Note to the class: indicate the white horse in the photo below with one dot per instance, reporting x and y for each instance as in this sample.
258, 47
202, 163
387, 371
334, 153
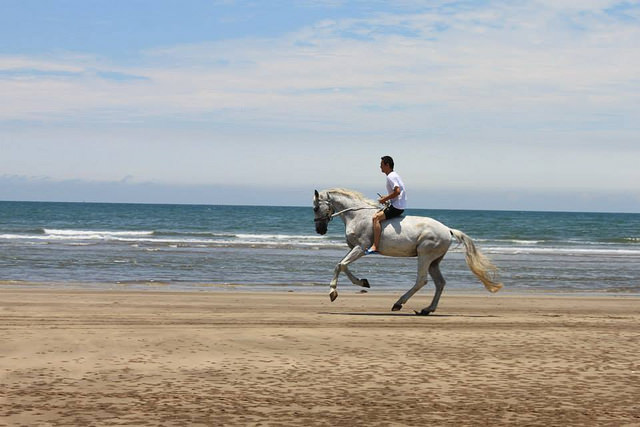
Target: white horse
404, 236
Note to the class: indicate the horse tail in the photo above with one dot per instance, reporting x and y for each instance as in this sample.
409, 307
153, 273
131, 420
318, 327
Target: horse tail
478, 263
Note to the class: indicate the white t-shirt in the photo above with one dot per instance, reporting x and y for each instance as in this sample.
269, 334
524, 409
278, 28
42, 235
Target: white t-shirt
393, 181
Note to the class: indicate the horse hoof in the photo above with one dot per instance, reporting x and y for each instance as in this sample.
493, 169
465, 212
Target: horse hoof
365, 283
424, 312
333, 295
396, 307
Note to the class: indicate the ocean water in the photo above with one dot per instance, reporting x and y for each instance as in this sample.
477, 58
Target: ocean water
205, 248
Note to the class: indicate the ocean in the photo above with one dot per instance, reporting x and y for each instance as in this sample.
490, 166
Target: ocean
212, 248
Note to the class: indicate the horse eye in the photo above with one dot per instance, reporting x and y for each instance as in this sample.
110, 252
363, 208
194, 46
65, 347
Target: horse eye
316, 209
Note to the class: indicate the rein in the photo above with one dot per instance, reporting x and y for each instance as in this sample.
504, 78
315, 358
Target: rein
350, 209
333, 215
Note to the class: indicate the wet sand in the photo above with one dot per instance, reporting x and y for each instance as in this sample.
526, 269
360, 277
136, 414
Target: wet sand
174, 359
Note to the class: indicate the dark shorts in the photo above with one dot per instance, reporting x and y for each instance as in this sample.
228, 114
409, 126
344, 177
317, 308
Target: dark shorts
391, 212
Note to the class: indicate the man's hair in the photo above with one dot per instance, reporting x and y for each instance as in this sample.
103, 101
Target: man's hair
387, 160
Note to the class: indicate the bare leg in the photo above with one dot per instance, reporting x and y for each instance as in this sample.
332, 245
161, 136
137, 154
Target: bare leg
377, 229
355, 253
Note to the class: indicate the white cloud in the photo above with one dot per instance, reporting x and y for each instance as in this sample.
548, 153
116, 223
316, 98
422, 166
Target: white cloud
492, 60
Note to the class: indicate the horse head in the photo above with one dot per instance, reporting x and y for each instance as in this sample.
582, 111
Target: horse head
322, 210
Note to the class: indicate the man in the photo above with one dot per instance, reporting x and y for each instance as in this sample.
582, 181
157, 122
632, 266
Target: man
398, 197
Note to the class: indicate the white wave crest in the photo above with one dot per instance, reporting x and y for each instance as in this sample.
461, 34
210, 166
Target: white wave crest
514, 250
92, 233
79, 237
279, 237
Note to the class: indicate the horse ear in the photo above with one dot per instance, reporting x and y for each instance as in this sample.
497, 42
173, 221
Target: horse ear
317, 196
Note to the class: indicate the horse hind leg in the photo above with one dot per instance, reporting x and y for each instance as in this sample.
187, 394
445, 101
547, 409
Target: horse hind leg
438, 280
421, 280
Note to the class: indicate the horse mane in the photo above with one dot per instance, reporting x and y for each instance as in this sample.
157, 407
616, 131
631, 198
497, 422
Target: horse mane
352, 194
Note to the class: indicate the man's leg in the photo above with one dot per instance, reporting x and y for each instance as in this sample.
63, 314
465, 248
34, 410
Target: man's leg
377, 230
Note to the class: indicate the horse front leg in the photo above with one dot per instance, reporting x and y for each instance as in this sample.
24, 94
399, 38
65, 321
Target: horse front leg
354, 279
354, 254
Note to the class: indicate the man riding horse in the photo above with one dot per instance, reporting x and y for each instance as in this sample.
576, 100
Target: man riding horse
396, 199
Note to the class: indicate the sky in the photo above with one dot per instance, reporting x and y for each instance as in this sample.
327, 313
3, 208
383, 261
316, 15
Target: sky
516, 105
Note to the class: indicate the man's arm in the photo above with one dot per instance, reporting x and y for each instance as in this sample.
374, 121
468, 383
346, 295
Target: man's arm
395, 193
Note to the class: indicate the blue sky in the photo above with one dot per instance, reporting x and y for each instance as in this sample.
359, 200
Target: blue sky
483, 104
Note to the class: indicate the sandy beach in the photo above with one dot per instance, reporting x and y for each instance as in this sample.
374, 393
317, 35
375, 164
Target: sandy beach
229, 358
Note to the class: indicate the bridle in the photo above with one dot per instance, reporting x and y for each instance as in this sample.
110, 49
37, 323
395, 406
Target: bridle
329, 216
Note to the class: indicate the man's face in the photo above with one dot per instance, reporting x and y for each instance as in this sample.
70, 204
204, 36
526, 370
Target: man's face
385, 168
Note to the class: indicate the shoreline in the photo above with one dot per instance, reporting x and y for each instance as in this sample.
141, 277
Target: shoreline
85, 357
310, 289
